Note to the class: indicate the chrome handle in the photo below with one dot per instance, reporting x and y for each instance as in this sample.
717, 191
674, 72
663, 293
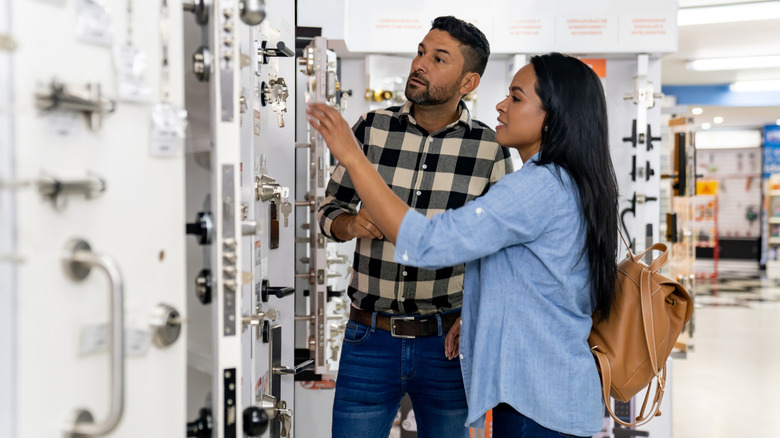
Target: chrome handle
78, 261
296, 370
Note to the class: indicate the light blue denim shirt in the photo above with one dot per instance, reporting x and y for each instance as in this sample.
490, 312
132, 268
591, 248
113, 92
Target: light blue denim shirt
527, 309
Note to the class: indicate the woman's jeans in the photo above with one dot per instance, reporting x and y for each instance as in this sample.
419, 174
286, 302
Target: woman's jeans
508, 423
377, 369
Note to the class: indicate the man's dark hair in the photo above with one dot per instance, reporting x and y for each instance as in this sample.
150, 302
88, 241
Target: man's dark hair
474, 46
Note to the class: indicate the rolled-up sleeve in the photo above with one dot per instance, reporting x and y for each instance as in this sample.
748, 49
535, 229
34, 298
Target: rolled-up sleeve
514, 211
340, 195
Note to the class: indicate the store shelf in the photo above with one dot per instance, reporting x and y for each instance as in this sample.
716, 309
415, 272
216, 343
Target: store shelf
775, 240
774, 193
774, 220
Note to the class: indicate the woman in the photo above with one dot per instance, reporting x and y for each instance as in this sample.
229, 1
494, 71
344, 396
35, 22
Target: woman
540, 250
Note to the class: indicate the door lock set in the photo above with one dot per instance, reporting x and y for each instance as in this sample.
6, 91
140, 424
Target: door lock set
258, 320
267, 189
275, 92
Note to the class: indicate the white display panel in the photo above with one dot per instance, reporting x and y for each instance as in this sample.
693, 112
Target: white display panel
61, 354
606, 26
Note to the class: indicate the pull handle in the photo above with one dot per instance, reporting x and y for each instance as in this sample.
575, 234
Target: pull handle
297, 369
78, 262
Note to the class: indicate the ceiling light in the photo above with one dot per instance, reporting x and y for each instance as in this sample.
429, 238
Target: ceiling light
771, 85
777, 122
706, 125
696, 111
717, 120
769, 10
715, 64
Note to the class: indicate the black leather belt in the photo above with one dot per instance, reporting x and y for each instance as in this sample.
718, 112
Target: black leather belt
405, 326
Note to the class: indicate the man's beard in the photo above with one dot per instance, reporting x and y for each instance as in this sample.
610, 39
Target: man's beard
429, 96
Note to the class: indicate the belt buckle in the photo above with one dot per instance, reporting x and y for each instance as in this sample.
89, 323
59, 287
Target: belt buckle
393, 319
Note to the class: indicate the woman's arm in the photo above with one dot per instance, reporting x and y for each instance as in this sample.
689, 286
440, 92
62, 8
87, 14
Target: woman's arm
386, 208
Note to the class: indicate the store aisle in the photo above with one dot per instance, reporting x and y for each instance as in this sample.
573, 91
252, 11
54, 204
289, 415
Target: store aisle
729, 386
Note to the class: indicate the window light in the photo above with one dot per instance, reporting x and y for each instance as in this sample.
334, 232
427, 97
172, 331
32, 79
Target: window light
768, 10
715, 64
770, 85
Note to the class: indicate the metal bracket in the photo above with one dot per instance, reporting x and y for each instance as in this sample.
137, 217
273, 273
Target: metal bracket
57, 190
58, 96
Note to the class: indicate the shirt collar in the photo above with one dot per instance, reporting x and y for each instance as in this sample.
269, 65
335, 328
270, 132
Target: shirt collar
464, 116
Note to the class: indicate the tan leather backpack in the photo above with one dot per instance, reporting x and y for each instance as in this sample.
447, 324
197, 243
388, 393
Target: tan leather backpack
631, 347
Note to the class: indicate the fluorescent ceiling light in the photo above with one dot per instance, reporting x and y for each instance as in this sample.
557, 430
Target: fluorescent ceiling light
717, 120
777, 122
769, 10
740, 63
706, 125
696, 111
771, 85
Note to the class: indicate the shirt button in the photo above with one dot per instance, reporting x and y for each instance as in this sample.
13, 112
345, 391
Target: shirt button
461, 357
401, 299
424, 166
419, 193
403, 273
405, 257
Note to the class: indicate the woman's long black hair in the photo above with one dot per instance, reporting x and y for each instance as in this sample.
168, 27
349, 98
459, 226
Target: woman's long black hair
575, 137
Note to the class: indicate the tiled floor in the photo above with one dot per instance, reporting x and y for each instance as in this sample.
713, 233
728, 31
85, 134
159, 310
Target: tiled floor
729, 385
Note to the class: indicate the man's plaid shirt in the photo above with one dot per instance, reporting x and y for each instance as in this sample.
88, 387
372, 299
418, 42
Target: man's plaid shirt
432, 173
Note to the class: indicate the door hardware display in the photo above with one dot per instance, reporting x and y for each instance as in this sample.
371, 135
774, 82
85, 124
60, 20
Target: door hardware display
303, 366
641, 172
252, 12
255, 421
258, 319
266, 188
635, 199
78, 262
202, 63
203, 227
281, 420
56, 190
200, 8
317, 63
57, 96
276, 93
166, 322
229, 404
202, 426
281, 50
277, 291
250, 228
203, 286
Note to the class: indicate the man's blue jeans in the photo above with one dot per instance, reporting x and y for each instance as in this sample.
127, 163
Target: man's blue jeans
375, 372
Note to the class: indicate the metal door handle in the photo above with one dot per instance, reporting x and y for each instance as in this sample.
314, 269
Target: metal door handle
78, 261
298, 368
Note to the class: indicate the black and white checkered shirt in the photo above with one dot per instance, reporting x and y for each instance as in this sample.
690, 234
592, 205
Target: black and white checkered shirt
432, 173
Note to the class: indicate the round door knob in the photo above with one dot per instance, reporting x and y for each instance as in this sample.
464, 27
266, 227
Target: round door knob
255, 421
202, 426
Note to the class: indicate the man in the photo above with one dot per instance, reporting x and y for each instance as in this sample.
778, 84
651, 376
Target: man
433, 155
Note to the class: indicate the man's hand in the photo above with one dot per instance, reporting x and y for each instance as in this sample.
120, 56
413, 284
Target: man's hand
348, 226
452, 341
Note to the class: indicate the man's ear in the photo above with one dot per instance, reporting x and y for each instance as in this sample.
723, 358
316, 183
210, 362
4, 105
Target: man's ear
469, 83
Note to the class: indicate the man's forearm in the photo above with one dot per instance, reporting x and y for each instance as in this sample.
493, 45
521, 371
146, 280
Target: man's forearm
340, 227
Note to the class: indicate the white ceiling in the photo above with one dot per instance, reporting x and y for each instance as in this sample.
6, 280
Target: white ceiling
753, 38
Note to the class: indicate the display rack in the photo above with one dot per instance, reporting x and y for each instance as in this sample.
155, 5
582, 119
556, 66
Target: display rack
705, 229
773, 219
